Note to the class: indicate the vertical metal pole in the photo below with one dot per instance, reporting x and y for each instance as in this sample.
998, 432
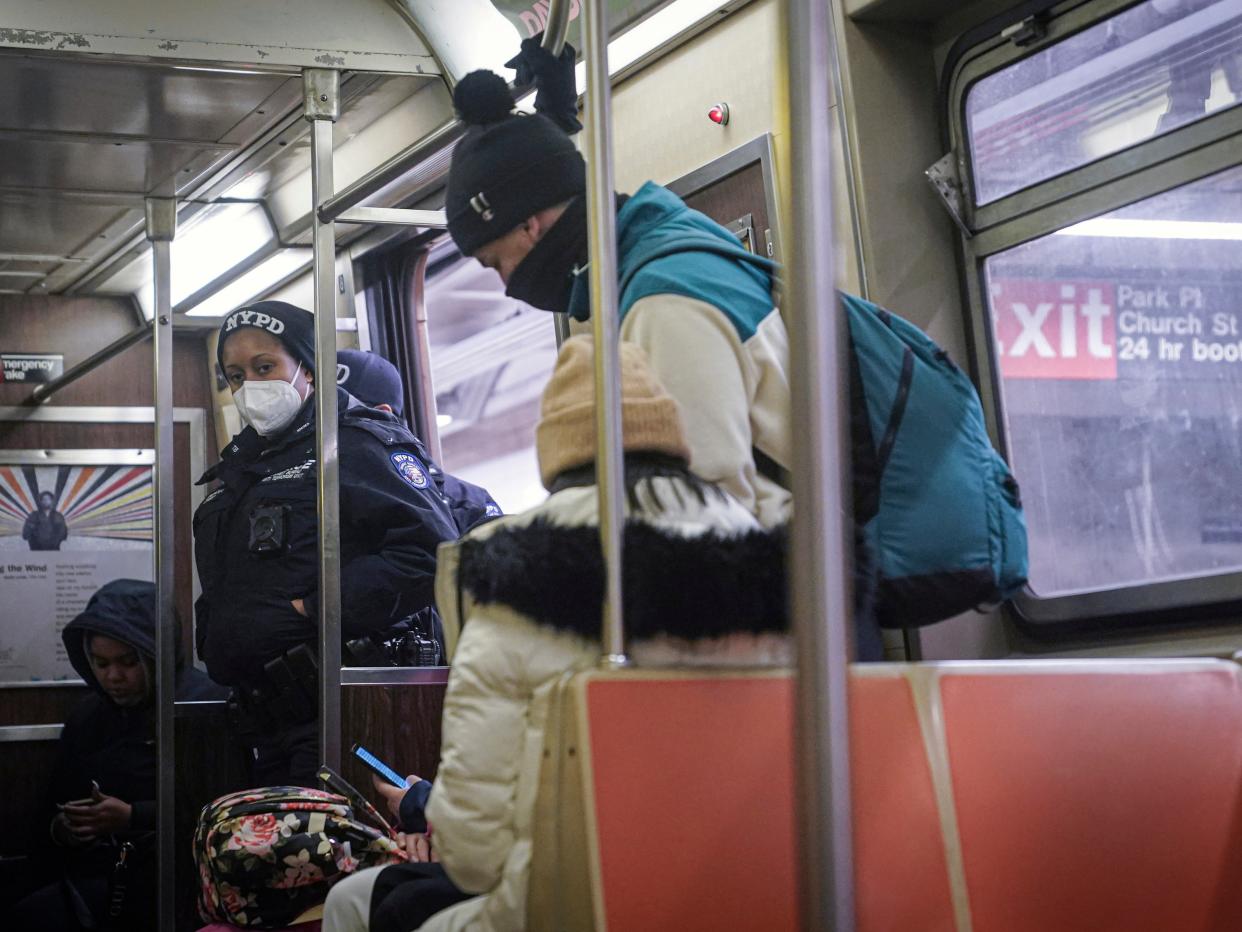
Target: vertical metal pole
426, 424
554, 41
321, 90
557, 25
161, 228
821, 548
560, 323
602, 237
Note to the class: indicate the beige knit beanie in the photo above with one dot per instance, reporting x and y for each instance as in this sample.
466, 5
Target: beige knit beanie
565, 437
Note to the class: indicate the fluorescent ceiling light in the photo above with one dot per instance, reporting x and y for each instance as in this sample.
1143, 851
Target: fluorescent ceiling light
225, 236
1123, 228
657, 29
218, 239
248, 286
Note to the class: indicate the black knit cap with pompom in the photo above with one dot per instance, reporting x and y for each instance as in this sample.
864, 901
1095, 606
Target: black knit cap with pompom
507, 167
482, 97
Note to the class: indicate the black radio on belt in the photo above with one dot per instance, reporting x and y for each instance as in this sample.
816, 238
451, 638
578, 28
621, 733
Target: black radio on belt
269, 528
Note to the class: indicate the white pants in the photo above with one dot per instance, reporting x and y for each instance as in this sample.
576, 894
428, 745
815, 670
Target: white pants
348, 908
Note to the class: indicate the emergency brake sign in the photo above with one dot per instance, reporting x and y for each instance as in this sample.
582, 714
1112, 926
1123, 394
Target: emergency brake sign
31, 367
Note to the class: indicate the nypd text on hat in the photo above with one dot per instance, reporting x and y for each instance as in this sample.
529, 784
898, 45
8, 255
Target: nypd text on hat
254, 319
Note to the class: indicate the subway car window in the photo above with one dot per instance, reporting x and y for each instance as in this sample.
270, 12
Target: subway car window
490, 356
1119, 344
1153, 68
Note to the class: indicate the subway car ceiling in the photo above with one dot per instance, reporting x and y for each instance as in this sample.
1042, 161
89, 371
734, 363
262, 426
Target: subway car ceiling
85, 138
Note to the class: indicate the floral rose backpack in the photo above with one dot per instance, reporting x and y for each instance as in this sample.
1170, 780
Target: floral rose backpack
266, 856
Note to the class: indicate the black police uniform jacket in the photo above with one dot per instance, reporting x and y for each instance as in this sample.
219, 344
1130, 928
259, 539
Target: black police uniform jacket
469, 504
255, 538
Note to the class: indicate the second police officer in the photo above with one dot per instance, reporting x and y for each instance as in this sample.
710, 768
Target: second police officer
256, 535
375, 382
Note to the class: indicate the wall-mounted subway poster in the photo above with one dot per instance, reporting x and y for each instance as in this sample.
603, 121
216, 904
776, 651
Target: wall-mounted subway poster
65, 530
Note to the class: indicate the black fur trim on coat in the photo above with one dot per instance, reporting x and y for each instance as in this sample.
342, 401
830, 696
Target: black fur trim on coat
695, 588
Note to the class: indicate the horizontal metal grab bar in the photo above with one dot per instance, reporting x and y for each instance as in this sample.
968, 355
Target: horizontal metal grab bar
394, 676
14, 733
432, 219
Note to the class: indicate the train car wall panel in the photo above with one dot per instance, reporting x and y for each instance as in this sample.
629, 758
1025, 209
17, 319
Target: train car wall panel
78, 327
662, 136
660, 126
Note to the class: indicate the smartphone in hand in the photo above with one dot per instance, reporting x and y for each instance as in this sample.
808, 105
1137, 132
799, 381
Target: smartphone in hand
378, 766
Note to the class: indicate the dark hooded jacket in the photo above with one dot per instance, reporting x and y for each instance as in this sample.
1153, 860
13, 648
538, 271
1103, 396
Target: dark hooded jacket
470, 504
115, 747
103, 742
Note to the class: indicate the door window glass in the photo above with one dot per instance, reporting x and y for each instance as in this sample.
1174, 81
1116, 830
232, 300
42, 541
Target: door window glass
1155, 67
491, 357
1119, 350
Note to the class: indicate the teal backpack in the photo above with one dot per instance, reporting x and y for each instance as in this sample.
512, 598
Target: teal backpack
938, 505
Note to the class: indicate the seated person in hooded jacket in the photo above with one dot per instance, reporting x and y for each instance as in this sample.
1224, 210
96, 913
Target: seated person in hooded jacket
704, 585
256, 535
103, 789
375, 381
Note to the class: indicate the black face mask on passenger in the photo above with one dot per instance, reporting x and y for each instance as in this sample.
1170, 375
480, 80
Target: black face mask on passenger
545, 278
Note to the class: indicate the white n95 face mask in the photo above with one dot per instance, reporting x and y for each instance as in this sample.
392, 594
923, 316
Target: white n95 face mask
269, 406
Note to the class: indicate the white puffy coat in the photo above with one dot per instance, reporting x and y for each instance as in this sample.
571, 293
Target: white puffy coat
524, 585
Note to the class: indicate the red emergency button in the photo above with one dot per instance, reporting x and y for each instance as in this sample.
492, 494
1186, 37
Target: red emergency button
719, 113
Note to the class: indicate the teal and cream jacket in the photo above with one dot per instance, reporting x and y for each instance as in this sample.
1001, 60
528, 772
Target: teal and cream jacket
700, 306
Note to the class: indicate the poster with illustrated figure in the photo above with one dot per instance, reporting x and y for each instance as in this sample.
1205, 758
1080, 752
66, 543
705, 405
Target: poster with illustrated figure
65, 530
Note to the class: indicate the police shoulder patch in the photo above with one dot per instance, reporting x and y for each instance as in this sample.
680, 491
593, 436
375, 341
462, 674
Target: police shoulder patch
410, 469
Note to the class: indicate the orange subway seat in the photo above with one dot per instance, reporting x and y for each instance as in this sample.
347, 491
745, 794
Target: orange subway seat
1098, 796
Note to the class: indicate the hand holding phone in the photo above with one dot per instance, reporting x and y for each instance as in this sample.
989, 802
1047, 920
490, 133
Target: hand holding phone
98, 815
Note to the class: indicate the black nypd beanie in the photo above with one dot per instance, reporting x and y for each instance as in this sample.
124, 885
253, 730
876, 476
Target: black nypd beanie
507, 167
294, 327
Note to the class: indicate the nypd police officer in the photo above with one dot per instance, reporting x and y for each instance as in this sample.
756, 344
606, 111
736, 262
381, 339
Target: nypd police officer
375, 382
256, 535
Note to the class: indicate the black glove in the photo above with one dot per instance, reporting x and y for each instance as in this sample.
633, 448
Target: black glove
556, 91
